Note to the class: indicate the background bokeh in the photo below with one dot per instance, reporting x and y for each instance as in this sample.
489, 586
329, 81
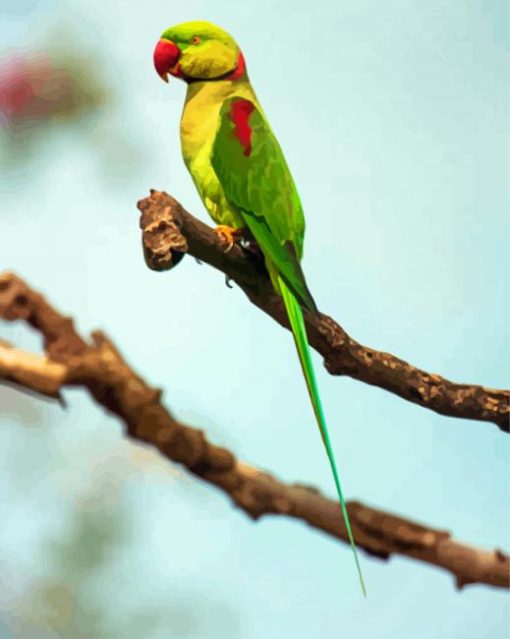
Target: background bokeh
394, 119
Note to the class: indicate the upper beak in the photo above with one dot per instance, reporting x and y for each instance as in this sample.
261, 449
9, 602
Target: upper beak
166, 56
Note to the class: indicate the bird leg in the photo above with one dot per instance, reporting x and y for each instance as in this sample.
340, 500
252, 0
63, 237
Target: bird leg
228, 235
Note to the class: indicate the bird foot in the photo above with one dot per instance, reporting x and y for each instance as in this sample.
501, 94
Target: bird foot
228, 235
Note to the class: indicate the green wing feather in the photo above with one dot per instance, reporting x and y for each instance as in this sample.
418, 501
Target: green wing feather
256, 180
260, 186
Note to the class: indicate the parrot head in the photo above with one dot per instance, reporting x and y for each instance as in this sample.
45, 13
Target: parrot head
198, 51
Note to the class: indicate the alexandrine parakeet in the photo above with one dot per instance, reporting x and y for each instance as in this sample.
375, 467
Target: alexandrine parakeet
242, 177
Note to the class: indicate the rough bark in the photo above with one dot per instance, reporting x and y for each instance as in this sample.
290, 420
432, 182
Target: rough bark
169, 231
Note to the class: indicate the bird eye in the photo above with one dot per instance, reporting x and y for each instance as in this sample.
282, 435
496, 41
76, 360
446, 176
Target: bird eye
195, 40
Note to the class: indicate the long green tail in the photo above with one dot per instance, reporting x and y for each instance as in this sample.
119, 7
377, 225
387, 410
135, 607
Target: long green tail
300, 338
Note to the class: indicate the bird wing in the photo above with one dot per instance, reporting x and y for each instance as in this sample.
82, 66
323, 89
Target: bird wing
255, 178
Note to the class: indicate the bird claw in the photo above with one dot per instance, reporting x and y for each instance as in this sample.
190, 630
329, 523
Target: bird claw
228, 235
227, 281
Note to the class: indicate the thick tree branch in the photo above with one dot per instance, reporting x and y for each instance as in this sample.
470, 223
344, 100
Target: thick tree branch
169, 231
99, 367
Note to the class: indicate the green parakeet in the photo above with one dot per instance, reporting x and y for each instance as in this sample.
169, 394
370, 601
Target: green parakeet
242, 177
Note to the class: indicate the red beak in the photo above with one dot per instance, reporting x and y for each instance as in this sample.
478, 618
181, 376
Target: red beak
166, 56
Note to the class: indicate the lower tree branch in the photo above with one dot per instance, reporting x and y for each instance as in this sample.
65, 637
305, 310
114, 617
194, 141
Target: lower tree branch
32, 372
169, 231
98, 366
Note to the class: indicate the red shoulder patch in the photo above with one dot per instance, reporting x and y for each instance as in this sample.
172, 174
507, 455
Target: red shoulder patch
240, 112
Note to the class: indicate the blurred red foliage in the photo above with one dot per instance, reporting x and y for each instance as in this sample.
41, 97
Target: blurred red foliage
59, 89
40, 86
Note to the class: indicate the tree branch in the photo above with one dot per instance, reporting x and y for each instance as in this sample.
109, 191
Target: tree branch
98, 366
169, 231
32, 372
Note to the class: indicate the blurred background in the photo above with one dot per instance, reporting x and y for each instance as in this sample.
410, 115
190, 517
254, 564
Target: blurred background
394, 119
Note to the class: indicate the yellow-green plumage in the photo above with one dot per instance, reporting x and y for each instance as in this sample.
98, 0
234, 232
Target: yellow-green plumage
199, 123
243, 179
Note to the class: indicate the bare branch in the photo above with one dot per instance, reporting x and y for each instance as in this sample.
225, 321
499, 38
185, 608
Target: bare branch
32, 372
169, 231
99, 367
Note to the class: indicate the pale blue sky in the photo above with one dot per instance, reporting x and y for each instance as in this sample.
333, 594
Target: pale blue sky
394, 119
